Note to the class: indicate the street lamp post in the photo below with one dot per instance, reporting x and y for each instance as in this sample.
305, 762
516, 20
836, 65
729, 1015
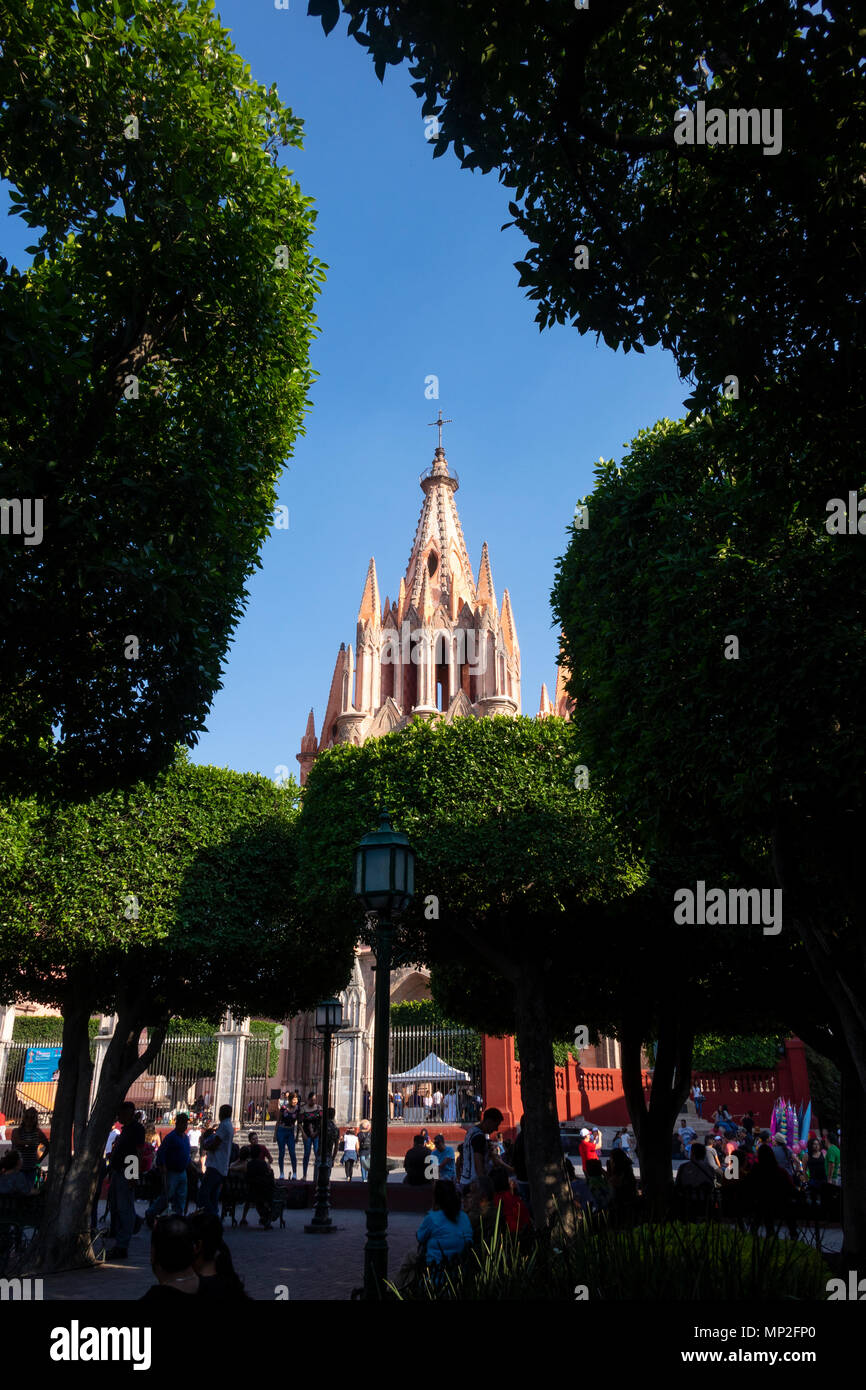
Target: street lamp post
329, 1019
384, 882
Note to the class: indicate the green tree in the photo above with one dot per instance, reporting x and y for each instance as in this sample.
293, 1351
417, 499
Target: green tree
715, 632
155, 361
513, 859
739, 262
171, 898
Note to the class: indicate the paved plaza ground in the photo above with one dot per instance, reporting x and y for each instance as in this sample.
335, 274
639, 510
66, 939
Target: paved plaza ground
310, 1267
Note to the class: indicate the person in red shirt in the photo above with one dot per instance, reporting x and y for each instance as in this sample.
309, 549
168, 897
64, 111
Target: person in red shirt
515, 1212
587, 1147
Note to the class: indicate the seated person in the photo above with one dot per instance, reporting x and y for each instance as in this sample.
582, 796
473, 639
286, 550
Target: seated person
415, 1163
479, 1208
696, 1172
12, 1179
446, 1231
621, 1179
600, 1194
513, 1209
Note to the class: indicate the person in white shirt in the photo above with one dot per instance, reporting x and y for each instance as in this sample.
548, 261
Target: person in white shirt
219, 1152
437, 1105
110, 1141
350, 1152
194, 1136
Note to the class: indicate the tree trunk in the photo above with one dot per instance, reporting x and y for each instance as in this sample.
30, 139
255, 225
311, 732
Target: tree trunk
654, 1123
853, 1148
63, 1240
552, 1202
834, 943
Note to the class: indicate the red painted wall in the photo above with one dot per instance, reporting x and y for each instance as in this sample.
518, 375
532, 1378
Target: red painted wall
596, 1094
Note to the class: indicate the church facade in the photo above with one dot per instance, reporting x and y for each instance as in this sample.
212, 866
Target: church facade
444, 648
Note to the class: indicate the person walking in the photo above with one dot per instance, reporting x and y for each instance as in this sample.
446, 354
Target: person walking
364, 1148
286, 1132
350, 1153
172, 1160
311, 1125
123, 1166
218, 1147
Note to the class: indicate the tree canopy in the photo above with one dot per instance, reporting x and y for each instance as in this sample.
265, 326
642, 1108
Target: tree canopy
171, 897
740, 262
513, 863
155, 361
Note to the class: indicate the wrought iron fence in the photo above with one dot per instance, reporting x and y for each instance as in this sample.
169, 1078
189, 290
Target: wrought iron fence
13, 1102
452, 1071
180, 1077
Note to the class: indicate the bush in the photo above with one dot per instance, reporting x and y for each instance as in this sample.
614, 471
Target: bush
656, 1261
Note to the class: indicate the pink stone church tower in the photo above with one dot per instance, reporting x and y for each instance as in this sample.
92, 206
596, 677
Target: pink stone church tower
444, 647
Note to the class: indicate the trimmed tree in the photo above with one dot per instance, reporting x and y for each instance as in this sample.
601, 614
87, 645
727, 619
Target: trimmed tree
513, 863
155, 360
174, 897
715, 630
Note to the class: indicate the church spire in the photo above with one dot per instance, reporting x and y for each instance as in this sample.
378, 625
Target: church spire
509, 631
371, 609
485, 596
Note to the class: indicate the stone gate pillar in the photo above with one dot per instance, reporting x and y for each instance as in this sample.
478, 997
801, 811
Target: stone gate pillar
349, 1052
107, 1024
231, 1066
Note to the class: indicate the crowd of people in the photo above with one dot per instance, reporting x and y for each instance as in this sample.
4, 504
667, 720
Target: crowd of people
478, 1186
427, 1100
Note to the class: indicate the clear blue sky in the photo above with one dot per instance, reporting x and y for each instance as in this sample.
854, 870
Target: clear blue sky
421, 282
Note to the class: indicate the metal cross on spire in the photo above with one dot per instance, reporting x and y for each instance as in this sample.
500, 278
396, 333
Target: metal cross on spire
440, 422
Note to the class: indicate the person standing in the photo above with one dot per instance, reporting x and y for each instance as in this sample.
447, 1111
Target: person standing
172, 1160
350, 1152
437, 1105
311, 1124
398, 1104
32, 1144
834, 1162
286, 1132
518, 1158
477, 1158
451, 1109
124, 1175
218, 1147
698, 1098
588, 1150
332, 1137
364, 1148
625, 1146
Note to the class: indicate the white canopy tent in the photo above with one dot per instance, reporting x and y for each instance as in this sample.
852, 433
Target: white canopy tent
432, 1068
